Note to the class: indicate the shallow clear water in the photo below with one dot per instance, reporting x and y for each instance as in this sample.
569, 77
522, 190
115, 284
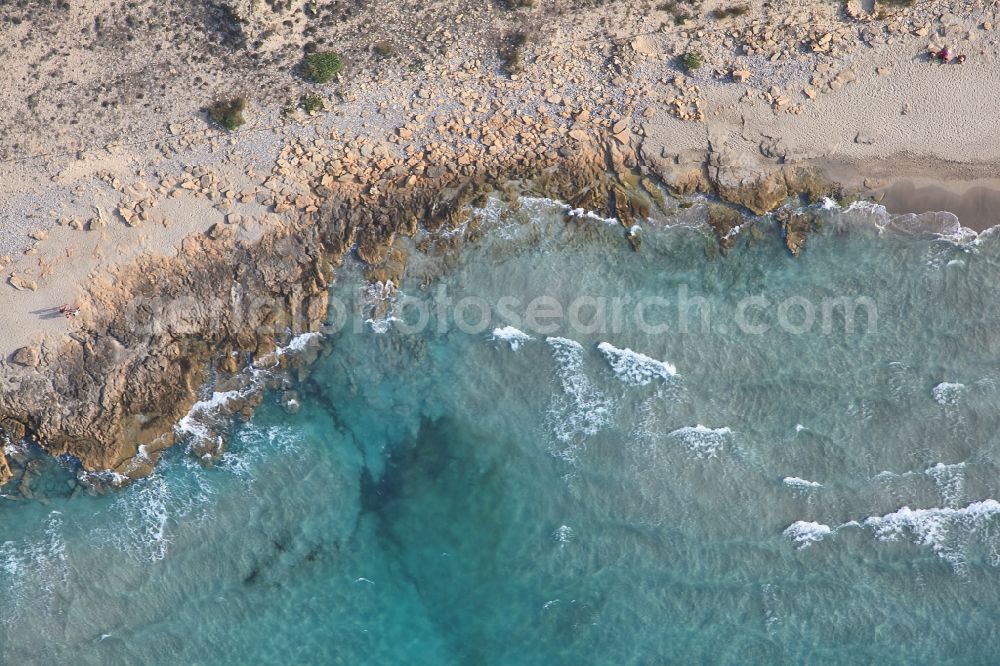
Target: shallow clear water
731, 492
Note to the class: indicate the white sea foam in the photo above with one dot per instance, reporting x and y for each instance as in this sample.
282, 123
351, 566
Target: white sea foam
802, 484
949, 480
515, 337
572, 212
492, 217
634, 368
195, 424
198, 424
139, 522
943, 529
806, 533
103, 477
34, 570
299, 343
799, 427
947, 393
563, 534
254, 445
582, 409
772, 607
589, 214
381, 296
704, 441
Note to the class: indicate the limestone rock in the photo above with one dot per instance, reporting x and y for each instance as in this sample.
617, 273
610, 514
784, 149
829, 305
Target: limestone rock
741, 179
5, 471
683, 172
22, 282
29, 356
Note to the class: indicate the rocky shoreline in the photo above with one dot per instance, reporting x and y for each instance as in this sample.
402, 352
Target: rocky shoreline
111, 394
197, 251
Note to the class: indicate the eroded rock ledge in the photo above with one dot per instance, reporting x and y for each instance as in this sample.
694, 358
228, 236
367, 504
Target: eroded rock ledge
111, 393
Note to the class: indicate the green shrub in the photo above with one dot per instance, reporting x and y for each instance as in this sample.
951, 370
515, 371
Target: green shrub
228, 112
512, 52
384, 49
681, 16
321, 66
735, 10
692, 60
311, 103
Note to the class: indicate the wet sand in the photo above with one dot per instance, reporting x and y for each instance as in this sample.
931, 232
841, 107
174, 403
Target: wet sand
976, 203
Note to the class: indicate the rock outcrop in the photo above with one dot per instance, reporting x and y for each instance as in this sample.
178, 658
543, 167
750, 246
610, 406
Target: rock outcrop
110, 394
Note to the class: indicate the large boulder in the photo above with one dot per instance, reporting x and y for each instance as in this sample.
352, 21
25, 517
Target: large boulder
682, 171
29, 356
5, 471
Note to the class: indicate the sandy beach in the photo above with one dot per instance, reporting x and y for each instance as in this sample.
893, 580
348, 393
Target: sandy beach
112, 173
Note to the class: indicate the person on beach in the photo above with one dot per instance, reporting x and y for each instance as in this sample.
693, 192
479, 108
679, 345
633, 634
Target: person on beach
944, 55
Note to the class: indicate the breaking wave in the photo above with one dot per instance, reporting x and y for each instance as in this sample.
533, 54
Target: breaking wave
801, 484
581, 409
806, 533
943, 529
701, 440
515, 337
633, 368
947, 393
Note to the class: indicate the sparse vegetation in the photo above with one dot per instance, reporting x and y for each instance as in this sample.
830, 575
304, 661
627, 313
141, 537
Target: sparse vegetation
681, 16
384, 49
311, 103
416, 66
516, 4
727, 12
321, 66
692, 60
512, 52
228, 113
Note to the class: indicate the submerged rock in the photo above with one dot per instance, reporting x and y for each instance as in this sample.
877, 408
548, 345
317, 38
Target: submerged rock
725, 221
795, 227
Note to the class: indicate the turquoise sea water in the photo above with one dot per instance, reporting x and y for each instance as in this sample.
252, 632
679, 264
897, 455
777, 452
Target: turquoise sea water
747, 475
